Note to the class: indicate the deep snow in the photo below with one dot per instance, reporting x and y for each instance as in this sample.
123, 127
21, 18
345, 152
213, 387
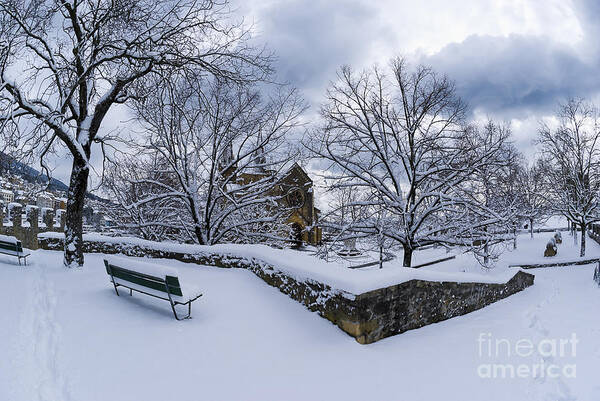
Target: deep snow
303, 265
65, 335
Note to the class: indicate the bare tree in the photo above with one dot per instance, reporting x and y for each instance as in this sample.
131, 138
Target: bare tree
400, 140
128, 184
65, 64
535, 195
223, 152
493, 185
346, 206
571, 157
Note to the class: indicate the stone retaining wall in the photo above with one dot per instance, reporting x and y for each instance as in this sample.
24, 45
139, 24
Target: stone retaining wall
416, 303
367, 317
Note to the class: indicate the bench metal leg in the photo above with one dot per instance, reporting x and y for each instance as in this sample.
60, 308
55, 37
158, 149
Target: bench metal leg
117, 291
112, 278
189, 314
189, 304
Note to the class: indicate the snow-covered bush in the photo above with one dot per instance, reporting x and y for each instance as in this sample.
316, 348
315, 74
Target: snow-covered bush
551, 249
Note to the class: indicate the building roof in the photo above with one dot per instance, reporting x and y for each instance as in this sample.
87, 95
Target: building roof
297, 168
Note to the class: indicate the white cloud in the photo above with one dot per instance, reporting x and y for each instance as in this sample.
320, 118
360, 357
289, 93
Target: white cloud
425, 26
313, 38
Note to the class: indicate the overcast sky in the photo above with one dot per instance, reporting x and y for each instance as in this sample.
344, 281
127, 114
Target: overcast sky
511, 59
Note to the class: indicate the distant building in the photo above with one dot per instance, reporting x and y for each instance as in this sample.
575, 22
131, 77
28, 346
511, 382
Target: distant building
299, 187
60, 203
7, 196
45, 199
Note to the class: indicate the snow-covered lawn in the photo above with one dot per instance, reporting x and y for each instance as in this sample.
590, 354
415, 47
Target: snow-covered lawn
333, 272
65, 335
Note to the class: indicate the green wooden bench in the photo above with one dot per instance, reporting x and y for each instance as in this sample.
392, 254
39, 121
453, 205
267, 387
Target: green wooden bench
13, 247
151, 280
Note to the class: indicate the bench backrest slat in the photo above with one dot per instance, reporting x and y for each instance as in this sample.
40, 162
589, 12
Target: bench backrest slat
11, 246
145, 280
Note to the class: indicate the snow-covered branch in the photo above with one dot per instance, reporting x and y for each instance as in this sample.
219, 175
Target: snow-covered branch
398, 142
219, 156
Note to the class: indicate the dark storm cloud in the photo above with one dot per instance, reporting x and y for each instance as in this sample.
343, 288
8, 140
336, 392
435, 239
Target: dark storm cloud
517, 72
520, 74
503, 75
312, 39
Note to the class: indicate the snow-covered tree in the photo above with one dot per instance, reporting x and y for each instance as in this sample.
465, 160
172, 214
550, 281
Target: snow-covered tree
398, 138
222, 150
345, 207
493, 185
65, 64
129, 182
571, 157
535, 205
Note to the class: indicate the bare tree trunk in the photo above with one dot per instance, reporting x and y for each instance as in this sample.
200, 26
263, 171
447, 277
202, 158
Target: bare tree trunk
582, 250
199, 236
486, 256
196, 220
74, 216
486, 250
574, 229
407, 256
531, 227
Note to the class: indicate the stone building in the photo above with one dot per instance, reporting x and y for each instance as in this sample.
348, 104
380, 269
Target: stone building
60, 203
295, 191
7, 196
304, 218
45, 199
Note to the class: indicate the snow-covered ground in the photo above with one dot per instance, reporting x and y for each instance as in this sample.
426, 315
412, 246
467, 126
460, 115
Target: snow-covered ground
65, 335
335, 273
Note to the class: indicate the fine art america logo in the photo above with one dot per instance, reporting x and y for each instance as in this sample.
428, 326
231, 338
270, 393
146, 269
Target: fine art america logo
524, 358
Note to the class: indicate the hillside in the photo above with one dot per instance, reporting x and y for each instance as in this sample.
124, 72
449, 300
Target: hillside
11, 166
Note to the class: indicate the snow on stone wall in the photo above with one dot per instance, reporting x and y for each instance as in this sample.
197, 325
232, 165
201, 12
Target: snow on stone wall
302, 265
25, 227
367, 316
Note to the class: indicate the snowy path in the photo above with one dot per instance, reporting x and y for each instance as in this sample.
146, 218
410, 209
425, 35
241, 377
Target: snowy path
37, 344
541, 387
50, 383
69, 336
